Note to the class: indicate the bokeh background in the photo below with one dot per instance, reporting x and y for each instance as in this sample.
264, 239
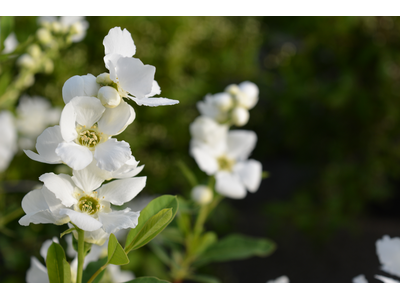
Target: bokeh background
327, 121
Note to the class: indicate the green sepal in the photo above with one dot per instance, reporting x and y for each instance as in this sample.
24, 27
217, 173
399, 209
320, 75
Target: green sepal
147, 279
67, 231
92, 268
152, 220
116, 254
234, 247
58, 269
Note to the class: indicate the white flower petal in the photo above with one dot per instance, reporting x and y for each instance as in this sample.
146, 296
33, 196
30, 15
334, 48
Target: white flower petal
117, 275
88, 110
360, 279
250, 173
120, 191
74, 86
67, 123
386, 279
75, 156
61, 186
91, 87
110, 61
121, 219
42, 207
229, 185
112, 154
154, 101
120, 42
37, 273
155, 90
206, 162
46, 145
87, 179
241, 143
116, 119
82, 220
135, 77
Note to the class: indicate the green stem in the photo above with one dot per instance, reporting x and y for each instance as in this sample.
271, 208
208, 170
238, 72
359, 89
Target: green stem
97, 273
81, 254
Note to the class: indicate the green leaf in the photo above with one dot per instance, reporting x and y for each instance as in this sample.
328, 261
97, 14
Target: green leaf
151, 210
147, 279
151, 229
58, 268
116, 254
234, 247
67, 231
92, 268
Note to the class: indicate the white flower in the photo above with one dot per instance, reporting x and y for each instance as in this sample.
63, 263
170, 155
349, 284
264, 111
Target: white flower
85, 131
8, 139
80, 200
228, 162
281, 279
202, 194
129, 76
208, 131
34, 114
388, 251
10, 43
216, 107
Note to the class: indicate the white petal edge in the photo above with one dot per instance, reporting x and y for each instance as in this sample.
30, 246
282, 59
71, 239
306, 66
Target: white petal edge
112, 154
75, 156
121, 219
83, 221
121, 191
250, 173
229, 185
61, 186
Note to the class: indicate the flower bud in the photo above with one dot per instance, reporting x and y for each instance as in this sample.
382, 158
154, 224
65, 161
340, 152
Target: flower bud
250, 90
104, 79
202, 194
223, 101
26, 61
232, 89
48, 66
240, 116
109, 96
44, 36
34, 51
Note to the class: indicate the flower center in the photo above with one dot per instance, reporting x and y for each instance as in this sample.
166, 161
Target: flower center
89, 205
225, 163
89, 137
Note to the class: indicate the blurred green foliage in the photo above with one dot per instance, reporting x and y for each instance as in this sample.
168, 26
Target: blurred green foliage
329, 107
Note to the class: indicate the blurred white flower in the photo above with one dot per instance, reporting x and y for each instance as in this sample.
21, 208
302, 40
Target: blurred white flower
34, 114
80, 199
227, 161
8, 139
129, 76
10, 43
388, 251
281, 279
202, 194
206, 130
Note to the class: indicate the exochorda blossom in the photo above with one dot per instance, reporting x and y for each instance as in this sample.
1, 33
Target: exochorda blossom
226, 157
128, 77
77, 25
84, 133
80, 199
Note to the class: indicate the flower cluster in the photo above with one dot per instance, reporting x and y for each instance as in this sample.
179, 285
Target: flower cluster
95, 111
224, 153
